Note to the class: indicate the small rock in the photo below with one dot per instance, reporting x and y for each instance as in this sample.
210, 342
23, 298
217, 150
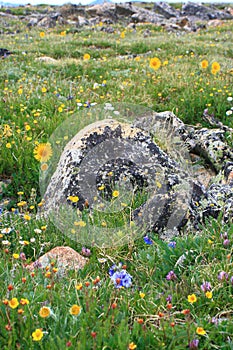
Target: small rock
46, 59
65, 258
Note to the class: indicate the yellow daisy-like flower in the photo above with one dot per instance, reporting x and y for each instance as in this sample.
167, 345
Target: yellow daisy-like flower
44, 312
209, 295
43, 152
75, 310
204, 64
86, 56
132, 346
200, 331
13, 303
42, 34
63, 33
37, 335
155, 63
122, 35
73, 199
8, 145
192, 298
16, 256
115, 194
27, 217
24, 301
142, 295
79, 286
215, 67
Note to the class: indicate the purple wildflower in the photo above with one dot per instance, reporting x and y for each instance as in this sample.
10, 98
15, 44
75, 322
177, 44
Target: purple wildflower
206, 286
231, 280
37, 264
172, 244
169, 298
122, 279
22, 256
226, 242
112, 270
223, 276
171, 276
147, 240
194, 344
214, 320
86, 251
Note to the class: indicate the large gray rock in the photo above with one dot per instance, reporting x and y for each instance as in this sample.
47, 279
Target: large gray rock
166, 10
134, 153
204, 12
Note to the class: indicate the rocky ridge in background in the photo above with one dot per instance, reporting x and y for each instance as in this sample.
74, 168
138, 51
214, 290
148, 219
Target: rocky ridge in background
108, 13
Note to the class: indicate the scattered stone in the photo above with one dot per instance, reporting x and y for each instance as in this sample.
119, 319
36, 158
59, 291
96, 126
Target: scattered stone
65, 258
47, 22
4, 184
166, 10
204, 12
109, 29
215, 23
5, 52
47, 59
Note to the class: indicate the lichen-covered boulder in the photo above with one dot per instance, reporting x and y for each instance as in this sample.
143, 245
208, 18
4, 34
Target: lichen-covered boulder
143, 171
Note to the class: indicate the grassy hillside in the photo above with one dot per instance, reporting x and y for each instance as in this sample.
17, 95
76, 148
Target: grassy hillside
180, 295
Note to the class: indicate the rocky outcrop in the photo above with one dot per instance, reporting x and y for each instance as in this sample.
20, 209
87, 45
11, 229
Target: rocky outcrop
204, 12
110, 13
166, 10
177, 196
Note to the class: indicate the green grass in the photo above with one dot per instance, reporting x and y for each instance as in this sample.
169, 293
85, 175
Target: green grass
30, 116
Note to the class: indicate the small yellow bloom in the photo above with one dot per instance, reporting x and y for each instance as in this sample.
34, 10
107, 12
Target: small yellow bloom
142, 295
86, 56
79, 286
43, 89
43, 152
37, 335
192, 298
155, 63
8, 145
73, 199
204, 64
63, 33
42, 34
100, 188
16, 256
115, 194
20, 91
44, 312
209, 295
24, 301
215, 67
200, 331
60, 109
13, 303
27, 127
75, 310
27, 217
122, 35
132, 346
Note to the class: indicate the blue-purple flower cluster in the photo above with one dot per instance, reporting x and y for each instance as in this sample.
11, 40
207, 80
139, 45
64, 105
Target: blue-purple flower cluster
120, 277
